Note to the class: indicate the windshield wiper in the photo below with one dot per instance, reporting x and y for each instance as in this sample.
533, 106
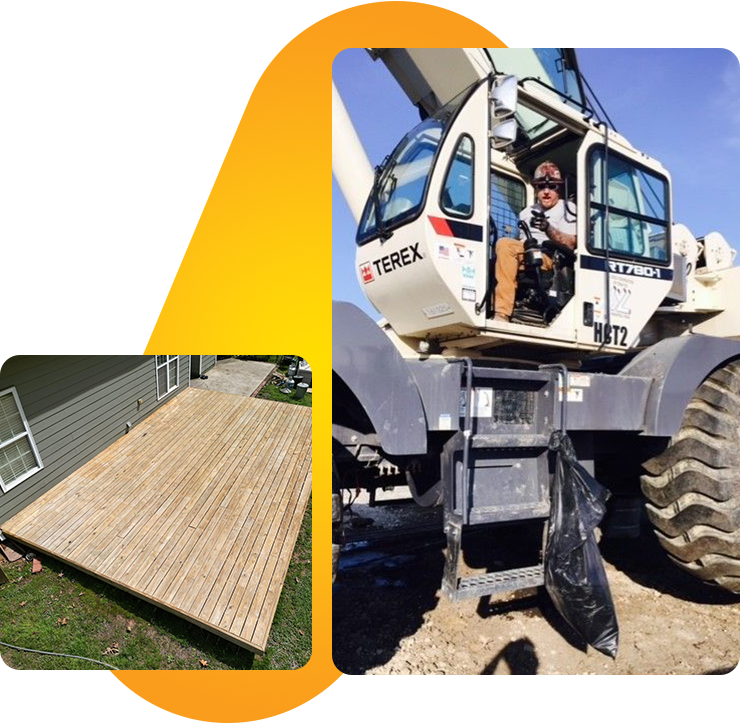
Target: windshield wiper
380, 170
393, 179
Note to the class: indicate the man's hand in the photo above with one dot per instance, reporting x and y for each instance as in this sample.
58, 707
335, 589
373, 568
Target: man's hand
539, 221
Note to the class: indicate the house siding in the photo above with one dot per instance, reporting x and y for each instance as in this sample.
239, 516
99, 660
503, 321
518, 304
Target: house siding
209, 360
76, 406
200, 364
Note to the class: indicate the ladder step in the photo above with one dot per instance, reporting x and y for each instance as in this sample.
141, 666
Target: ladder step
499, 582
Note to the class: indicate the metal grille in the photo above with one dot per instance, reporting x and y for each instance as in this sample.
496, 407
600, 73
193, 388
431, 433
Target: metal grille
508, 199
513, 407
499, 582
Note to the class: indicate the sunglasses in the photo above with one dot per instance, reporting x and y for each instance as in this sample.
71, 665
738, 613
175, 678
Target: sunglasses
552, 186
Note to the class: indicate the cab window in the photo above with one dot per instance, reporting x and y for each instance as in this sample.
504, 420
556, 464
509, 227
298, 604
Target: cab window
400, 188
457, 192
638, 208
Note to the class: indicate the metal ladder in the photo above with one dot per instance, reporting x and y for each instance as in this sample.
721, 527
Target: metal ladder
459, 587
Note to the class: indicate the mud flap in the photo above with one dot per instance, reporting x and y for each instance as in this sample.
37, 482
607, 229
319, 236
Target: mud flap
574, 572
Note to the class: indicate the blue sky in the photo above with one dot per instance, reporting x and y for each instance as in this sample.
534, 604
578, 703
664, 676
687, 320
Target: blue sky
680, 106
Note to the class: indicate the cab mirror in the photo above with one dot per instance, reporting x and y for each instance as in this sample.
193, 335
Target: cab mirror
504, 96
504, 134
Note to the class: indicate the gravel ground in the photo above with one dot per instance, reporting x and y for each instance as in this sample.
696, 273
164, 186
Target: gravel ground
390, 617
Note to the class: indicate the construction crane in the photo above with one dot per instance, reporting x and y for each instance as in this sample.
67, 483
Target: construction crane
628, 344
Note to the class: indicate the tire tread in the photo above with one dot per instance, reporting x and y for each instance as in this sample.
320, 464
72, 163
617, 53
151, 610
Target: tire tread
693, 487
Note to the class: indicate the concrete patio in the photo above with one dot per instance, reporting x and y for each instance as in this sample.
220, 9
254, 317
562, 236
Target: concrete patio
236, 376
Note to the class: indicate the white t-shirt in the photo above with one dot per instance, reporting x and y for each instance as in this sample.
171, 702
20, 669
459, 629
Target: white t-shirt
559, 217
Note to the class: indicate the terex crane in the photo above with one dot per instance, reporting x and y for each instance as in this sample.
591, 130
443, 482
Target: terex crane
629, 344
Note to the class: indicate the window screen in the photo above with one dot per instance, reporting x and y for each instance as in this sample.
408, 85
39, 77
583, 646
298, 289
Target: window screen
508, 199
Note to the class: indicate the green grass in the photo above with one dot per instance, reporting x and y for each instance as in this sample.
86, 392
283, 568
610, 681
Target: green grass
289, 644
273, 358
261, 357
271, 392
32, 608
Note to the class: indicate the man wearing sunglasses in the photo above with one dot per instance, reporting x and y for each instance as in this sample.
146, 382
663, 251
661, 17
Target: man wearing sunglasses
549, 218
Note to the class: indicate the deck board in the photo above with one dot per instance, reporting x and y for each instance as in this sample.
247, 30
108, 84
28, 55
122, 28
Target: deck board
196, 510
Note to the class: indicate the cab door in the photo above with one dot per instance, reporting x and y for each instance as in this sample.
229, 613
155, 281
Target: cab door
456, 227
625, 265
427, 270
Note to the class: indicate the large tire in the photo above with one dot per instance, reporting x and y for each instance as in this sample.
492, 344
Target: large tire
693, 487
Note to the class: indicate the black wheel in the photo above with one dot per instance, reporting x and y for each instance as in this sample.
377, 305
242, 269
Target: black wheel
693, 487
336, 522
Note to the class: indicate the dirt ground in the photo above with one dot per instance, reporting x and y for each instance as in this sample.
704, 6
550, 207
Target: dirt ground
391, 618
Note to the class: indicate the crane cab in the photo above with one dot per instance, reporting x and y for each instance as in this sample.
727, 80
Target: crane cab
459, 181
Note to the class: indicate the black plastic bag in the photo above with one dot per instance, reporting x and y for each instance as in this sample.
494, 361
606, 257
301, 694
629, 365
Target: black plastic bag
574, 572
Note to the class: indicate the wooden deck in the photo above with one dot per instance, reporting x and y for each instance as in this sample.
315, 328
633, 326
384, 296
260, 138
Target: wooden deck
196, 510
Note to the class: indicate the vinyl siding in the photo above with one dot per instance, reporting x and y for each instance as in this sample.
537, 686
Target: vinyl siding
200, 364
77, 406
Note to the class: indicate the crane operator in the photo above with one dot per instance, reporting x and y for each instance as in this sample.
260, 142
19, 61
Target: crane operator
550, 218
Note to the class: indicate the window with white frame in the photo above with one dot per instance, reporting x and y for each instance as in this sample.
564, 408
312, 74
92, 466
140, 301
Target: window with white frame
19, 458
168, 373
